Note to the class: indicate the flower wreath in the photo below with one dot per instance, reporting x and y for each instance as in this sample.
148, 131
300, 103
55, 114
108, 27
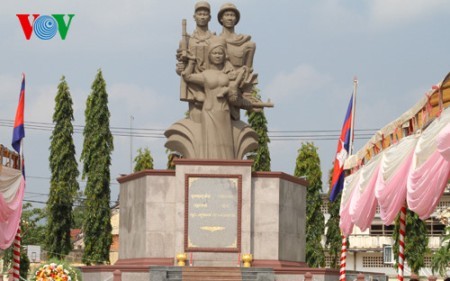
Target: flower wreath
55, 272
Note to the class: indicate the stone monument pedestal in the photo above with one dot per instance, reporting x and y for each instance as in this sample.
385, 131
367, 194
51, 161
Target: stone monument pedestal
214, 212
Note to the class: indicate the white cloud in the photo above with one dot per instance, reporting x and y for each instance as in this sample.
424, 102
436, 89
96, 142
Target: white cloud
303, 80
388, 13
335, 16
9, 93
40, 104
340, 16
119, 13
39, 101
133, 99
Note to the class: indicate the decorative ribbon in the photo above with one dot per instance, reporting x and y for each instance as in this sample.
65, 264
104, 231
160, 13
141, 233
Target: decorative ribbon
343, 259
401, 243
16, 256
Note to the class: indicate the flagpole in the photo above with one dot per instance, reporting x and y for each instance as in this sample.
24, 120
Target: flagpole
343, 259
17, 237
21, 140
352, 127
21, 156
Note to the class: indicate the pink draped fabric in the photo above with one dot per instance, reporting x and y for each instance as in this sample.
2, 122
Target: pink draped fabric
7, 208
345, 223
429, 171
363, 203
390, 188
8, 227
9, 190
416, 169
426, 185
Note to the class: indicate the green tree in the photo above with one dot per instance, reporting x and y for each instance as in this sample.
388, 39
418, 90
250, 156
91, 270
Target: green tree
78, 211
416, 241
64, 173
143, 160
258, 122
441, 259
170, 157
96, 157
308, 166
33, 225
333, 241
24, 264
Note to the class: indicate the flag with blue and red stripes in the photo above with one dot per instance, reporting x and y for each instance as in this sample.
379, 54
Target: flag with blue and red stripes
19, 125
342, 152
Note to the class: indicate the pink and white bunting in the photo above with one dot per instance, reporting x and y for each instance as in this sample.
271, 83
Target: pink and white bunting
12, 186
416, 169
390, 187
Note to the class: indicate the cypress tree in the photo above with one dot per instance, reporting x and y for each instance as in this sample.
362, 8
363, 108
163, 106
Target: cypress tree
308, 166
143, 160
258, 122
96, 157
64, 172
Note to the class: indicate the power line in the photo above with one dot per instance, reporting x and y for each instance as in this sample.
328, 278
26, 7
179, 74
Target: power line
74, 205
38, 194
47, 178
318, 131
276, 135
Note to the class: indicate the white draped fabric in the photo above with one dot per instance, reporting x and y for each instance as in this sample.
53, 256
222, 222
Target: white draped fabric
443, 143
12, 185
416, 170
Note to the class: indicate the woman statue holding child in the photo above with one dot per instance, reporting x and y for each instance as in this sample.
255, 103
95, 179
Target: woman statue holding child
217, 132
216, 136
220, 82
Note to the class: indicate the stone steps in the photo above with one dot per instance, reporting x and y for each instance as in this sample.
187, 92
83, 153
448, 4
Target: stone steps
214, 273
211, 274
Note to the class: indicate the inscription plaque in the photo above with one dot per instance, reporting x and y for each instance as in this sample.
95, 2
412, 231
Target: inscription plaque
213, 213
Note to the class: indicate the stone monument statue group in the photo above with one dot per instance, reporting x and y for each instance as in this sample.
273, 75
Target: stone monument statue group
217, 80
211, 210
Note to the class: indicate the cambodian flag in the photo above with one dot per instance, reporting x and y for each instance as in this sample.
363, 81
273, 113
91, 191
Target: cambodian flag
342, 152
19, 126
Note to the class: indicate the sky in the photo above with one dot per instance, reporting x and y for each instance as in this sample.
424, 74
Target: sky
307, 55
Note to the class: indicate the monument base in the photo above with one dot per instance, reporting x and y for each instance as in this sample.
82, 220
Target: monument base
213, 211
177, 273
